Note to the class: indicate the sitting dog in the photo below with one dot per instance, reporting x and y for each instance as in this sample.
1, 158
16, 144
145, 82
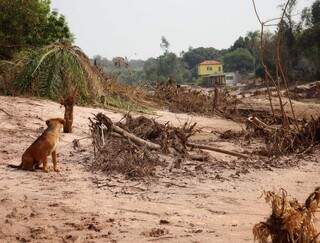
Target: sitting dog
44, 146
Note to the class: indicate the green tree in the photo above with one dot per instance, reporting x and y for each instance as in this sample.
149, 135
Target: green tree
150, 69
164, 44
239, 43
29, 23
194, 56
238, 60
315, 13
166, 66
308, 44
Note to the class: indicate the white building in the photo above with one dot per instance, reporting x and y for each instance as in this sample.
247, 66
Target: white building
232, 78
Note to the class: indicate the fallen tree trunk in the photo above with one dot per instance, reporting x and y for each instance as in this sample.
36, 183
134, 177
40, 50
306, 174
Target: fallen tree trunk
260, 124
134, 138
153, 146
223, 151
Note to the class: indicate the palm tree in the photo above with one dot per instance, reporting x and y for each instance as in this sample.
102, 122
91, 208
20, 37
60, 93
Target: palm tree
61, 72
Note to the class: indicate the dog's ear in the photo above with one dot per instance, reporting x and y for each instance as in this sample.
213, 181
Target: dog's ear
48, 122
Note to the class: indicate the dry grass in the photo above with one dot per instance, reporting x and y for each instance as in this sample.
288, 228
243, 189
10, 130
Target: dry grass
185, 99
290, 221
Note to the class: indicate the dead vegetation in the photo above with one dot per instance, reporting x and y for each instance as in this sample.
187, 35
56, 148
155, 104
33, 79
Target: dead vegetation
291, 135
126, 97
186, 99
167, 136
134, 146
290, 221
309, 91
280, 141
124, 157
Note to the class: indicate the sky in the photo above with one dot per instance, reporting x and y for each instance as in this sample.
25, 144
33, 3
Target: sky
133, 28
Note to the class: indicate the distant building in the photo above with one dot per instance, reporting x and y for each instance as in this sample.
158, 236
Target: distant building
232, 78
211, 72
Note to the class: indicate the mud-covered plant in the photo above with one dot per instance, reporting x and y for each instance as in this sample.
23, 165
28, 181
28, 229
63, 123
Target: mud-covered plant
290, 221
55, 71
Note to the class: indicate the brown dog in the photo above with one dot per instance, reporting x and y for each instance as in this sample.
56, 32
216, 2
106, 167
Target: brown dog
44, 146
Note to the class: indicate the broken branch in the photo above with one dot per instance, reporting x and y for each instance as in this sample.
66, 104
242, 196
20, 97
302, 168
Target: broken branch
223, 151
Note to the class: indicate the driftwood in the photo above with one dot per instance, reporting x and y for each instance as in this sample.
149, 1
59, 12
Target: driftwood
260, 124
134, 138
223, 151
5, 112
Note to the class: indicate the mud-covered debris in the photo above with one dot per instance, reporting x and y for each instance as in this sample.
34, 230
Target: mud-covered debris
290, 221
280, 140
119, 155
165, 135
156, 232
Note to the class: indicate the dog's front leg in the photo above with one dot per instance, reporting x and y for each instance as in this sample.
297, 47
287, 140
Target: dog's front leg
54, 161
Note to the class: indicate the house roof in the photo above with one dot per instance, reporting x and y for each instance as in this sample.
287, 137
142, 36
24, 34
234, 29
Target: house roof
210, 62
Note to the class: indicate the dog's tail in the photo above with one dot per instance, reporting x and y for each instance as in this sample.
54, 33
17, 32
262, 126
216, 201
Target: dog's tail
15, 166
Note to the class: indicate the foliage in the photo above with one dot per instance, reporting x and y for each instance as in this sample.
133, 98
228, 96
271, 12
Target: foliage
164, 44
315, 13
238, 60
29, 23
57, 70
307, 43
133, 74
194, 56
166, 66
300, 54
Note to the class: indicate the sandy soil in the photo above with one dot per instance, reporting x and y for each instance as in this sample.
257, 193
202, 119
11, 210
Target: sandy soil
217, 204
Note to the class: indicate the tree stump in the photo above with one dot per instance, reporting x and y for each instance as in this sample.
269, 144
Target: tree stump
68, 104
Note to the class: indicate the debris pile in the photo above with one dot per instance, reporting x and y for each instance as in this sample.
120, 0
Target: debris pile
230, 134
134, 146
186, 99
309, 91
163, 134
182, 99
122, 156
299, 138
115, 153
290, 221
125, 96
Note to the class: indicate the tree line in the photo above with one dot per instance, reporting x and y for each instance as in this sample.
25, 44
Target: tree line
32, 24
300, 53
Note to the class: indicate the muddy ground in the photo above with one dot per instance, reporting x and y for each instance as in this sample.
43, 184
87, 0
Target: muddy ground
216, 201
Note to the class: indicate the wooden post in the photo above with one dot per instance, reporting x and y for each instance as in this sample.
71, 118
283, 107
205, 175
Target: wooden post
215, 99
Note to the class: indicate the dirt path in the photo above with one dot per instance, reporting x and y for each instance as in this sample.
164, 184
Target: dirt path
80, 206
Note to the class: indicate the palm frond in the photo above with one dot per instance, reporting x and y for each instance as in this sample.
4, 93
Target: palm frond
57, 70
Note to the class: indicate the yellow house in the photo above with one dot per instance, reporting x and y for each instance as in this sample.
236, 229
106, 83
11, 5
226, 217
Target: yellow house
211, 72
